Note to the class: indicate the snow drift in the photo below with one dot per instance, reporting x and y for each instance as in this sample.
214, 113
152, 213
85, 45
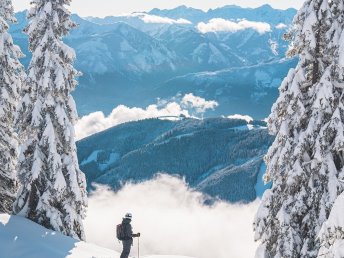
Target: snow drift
20, 238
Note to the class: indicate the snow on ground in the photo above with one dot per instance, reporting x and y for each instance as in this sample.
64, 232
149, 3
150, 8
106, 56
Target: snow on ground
336, 250
20, 238
92, 157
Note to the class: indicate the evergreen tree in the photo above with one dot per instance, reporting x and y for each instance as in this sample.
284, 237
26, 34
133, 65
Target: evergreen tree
11, 77
332, 232
53, 189
305, 163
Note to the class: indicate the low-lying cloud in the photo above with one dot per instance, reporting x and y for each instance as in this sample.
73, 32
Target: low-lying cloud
97, 121
149, 18
187, 106
199, 104
172, 220
247, 118
163, 20
222, 25
281, 26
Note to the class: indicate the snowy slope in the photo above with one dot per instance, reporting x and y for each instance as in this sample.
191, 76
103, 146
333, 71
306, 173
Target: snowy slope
244, 90
113, 48
20, 238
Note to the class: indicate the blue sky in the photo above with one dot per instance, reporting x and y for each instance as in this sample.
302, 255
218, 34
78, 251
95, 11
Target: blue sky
103, 8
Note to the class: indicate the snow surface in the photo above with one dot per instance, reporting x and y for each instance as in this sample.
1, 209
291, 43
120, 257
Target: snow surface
92, 157
261, 186
20, 238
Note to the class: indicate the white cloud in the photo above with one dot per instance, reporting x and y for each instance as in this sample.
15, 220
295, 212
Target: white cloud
97, 121
159, 19
219, 24
198, 103
281, 26
172, 220
247, 118
148, 18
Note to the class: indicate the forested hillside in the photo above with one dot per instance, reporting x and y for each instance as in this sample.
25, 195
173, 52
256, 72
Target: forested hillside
221, 157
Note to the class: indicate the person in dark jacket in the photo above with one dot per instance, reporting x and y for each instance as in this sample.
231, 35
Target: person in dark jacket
128, 232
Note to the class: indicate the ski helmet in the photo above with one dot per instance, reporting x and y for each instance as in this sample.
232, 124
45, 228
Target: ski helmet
128, 216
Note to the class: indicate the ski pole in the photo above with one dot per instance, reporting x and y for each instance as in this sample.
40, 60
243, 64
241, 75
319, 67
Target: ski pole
138, 247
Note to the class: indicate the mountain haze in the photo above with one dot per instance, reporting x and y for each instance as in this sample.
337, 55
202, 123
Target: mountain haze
128, 59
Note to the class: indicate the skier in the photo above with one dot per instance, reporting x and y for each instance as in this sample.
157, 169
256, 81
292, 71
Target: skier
127, 238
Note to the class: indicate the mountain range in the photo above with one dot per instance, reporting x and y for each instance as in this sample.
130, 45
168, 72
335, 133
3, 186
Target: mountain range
220, 157
136, 58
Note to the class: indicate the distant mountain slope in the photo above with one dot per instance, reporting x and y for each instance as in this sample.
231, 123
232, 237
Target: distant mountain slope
220, 157
124, 59
244, 90
119, 48
116, 48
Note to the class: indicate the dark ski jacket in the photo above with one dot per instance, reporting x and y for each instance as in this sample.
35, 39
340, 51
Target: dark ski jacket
127, 228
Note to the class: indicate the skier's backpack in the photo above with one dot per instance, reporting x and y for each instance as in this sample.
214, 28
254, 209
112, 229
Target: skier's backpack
120, 232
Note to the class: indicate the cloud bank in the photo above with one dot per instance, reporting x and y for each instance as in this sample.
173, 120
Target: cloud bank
97, 121
199, 104
247, 118
149, 18
164, 20
222, 25
172, 220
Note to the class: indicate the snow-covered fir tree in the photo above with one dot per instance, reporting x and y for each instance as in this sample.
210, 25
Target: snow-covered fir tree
53, 189
332, 232
305, 163
11, 78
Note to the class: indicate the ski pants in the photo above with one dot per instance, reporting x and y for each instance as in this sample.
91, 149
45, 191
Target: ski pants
126, 248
